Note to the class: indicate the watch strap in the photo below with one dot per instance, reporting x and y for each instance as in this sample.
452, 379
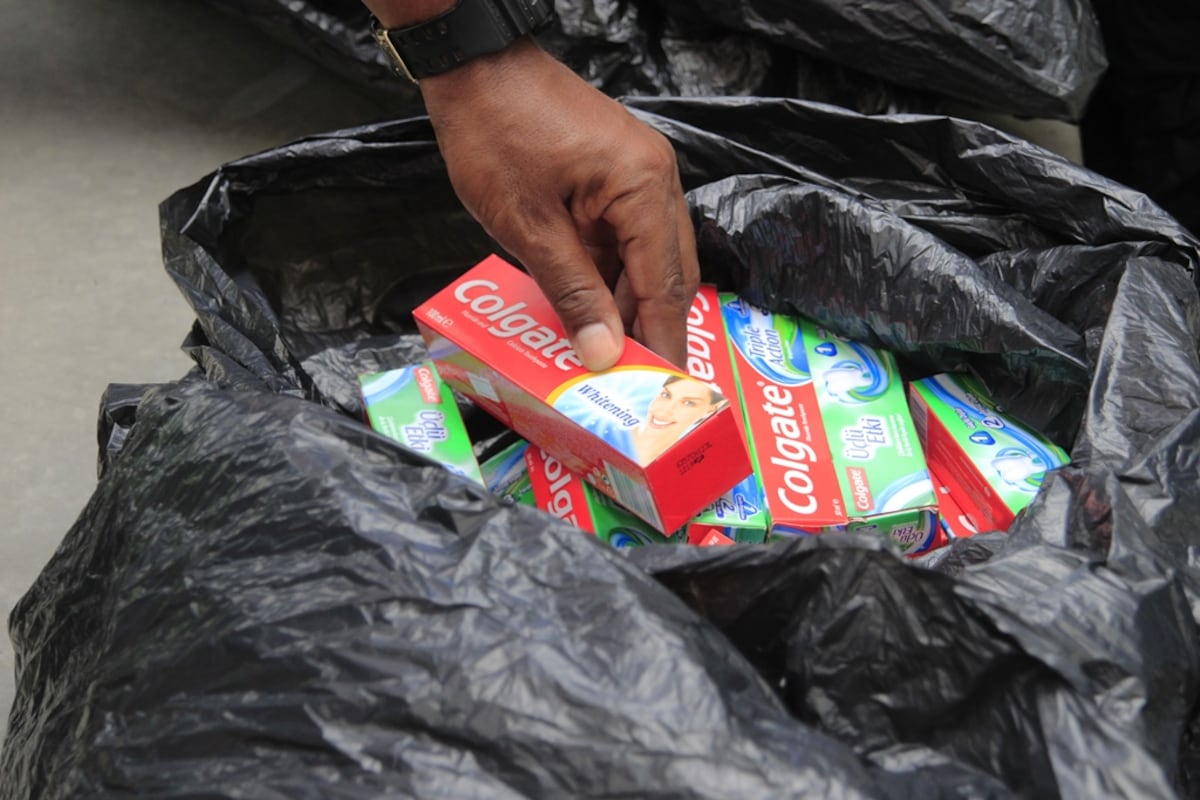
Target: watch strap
471, 29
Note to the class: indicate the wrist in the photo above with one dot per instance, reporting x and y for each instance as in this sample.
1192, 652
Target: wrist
488, 72
466, 31
403, 13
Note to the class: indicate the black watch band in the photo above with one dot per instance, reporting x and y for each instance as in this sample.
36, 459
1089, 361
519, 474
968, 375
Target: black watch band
472, 28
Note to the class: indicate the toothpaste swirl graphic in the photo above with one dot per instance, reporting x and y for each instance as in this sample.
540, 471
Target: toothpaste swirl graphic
770, 342
859, 376
909, 491
628, 537
387, 384
1018, 469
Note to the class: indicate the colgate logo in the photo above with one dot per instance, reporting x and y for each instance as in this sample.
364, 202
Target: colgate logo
860, 489
700, 343
509, 322
428, 386
558, 479
789, 453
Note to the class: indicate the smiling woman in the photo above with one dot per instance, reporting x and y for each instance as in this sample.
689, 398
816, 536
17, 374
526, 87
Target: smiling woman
676, 409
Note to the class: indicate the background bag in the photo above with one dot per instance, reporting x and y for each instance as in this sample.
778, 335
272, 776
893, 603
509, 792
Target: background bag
265, 599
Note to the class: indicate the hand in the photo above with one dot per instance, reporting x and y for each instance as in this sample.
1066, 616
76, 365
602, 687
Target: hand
585, 196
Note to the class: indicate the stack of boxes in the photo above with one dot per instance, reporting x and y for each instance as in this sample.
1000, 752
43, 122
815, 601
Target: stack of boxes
989, 466
778, 428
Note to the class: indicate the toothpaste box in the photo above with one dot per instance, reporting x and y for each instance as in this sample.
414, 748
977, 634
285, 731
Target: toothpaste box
563, 494
732, 534
831, 434
507, 475
708, 536
661, 443
990, 462
709, 361
413, 407
955, 521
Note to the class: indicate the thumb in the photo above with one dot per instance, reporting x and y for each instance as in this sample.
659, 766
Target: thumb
575, 288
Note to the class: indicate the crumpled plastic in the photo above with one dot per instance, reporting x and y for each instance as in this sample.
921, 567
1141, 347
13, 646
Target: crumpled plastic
335, 33
264, 598
1036, 58
619, 47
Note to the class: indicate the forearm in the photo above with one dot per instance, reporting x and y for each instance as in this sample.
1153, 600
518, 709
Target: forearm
402, 13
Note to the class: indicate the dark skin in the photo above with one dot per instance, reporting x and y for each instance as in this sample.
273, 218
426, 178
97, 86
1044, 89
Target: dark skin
584, 195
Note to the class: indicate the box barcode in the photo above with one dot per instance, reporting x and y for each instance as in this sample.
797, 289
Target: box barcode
633, 495
483, 387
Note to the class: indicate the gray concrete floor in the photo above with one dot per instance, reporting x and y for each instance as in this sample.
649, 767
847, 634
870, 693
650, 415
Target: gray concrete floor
106, 107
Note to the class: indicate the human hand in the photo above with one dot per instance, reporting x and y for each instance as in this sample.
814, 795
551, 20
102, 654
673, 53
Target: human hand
584, 195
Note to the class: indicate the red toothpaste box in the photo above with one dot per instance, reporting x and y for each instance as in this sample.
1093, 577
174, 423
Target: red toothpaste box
656, 440
954, 521
987, 459
709, 361
959, 516
708, 536
561, 493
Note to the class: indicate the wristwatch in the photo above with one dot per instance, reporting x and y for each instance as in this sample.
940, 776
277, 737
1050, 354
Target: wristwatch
472, 28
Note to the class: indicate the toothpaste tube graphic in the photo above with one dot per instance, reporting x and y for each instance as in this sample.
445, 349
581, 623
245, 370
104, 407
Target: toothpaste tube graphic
653, 438
1019, 469
991, 463
836, 448
856, 374
413, 407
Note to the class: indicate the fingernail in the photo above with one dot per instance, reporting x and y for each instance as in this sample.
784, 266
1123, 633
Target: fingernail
597, 347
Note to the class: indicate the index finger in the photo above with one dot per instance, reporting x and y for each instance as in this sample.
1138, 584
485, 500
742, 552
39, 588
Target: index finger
658, 249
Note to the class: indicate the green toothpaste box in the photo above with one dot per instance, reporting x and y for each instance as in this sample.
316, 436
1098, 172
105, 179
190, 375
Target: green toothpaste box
506, 474
413, 407
832, 438
991, 463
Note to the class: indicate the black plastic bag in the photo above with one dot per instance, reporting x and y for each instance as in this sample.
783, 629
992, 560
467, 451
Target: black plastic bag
618, 46
1143, 124
1037, 58
265, 599
334, 33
